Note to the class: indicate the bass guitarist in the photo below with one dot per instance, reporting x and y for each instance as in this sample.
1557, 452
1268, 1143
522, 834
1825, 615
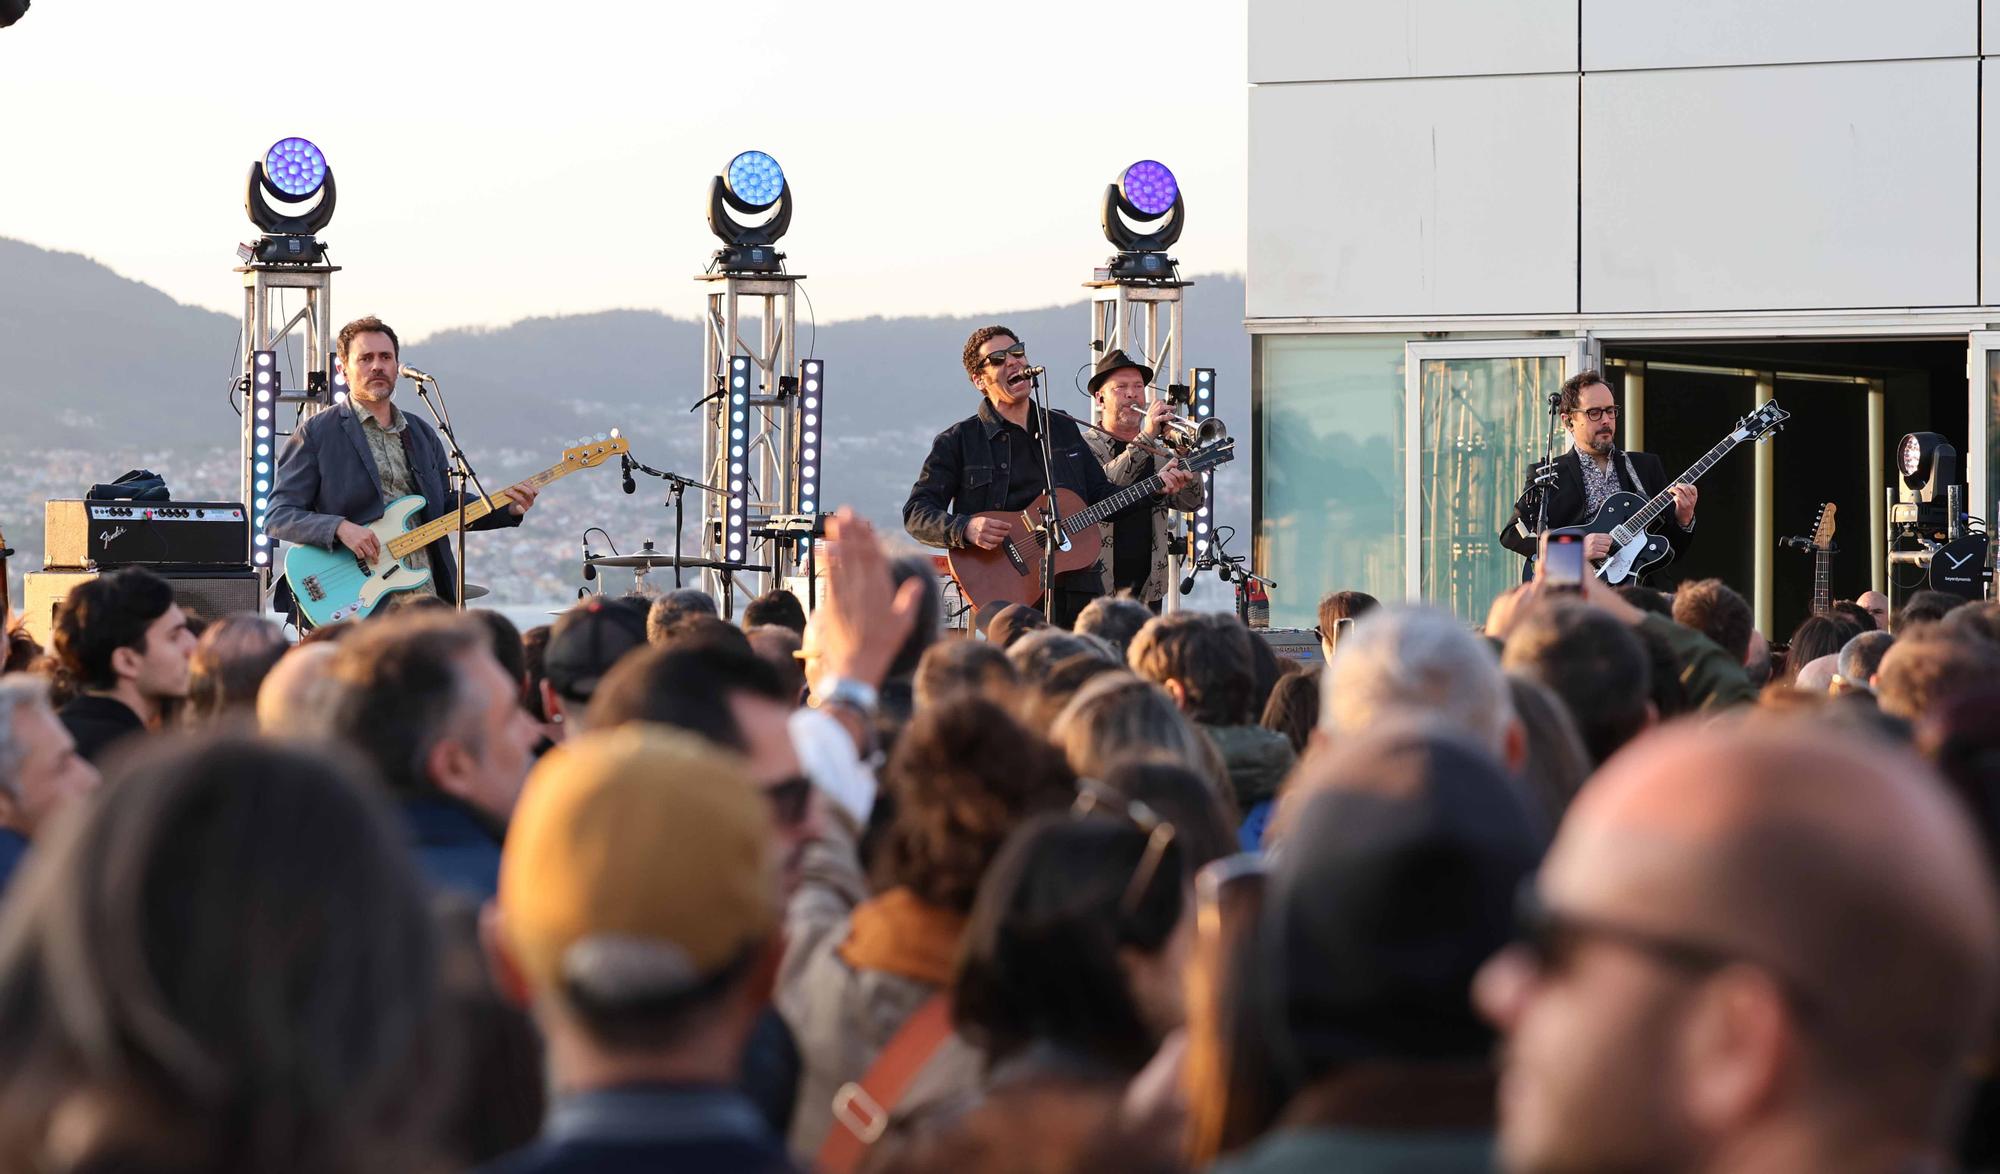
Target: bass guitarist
1591, 471
992, 460
342, 466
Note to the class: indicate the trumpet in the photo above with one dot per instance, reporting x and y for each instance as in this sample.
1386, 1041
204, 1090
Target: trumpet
1184, 435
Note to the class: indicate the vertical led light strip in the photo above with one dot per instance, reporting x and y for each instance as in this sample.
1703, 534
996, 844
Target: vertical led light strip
811, 380
736, 523
1204, 408
263, 398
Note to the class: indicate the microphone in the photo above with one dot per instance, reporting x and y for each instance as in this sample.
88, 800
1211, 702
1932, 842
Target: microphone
416, 376
589, 572
1187, 582
1033, 372
625, 468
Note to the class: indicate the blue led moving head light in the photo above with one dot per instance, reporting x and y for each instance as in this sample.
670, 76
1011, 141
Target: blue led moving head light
295, 167
749, 208
756, 179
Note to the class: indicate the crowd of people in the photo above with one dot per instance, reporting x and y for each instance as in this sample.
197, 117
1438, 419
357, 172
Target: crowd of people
1613, 883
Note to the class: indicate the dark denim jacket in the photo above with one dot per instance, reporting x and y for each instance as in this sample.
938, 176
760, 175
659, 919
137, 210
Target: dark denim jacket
962, 475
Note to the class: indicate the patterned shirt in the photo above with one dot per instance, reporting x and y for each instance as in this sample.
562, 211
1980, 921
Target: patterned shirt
1599, 483
392, 462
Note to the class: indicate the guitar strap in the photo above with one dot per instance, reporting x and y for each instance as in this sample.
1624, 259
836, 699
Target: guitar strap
1632, 473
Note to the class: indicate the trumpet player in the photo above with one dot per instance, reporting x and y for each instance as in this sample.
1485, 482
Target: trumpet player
1135, 543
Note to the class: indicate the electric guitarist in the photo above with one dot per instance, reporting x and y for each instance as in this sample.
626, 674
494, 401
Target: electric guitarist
342, 467
1591, 471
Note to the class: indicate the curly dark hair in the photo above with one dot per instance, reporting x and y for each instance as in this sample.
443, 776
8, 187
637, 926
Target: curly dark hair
979, 339
369, 325
1572, 388
964, 775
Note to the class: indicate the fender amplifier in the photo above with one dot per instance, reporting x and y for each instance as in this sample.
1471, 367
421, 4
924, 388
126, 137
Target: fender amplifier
210, 595
81, 535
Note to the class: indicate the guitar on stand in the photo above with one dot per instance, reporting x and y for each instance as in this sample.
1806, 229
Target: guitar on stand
332, 585
1625, 516
1821, 546
1012, 571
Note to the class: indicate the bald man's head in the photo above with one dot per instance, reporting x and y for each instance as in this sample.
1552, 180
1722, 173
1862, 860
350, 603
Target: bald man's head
1801, 927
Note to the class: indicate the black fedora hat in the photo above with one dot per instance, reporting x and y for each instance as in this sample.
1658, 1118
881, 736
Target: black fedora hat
1116, 360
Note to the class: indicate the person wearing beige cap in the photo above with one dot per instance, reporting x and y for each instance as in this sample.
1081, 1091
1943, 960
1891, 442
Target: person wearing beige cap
638, 905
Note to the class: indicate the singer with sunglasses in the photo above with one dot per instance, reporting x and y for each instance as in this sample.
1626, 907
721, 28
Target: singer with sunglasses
992, 461
1591, 471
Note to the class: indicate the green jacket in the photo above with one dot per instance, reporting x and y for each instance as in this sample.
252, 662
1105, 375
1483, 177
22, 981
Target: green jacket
1711, 678
1258, 760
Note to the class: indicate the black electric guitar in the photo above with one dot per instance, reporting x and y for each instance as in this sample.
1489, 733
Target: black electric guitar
1625, 516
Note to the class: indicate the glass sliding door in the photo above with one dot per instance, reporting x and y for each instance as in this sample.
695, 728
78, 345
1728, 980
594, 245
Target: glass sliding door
1476, 416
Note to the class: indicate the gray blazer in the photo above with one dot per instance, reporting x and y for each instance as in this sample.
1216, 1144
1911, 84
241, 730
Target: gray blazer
327, 476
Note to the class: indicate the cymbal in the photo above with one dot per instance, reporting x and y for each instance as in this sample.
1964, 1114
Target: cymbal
474, 591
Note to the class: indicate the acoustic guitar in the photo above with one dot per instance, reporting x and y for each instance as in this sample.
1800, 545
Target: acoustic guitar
337, 584
1012, 571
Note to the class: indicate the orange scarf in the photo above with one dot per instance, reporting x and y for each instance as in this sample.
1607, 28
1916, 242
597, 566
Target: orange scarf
899, 934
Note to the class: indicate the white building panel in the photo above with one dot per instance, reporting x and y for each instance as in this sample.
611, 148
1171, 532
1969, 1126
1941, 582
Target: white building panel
1445, 196
1989, 162
1649, 34
1340, 40
1785, 187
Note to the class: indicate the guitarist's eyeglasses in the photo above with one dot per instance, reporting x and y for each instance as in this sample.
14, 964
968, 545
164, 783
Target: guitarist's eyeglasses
1092, 797
999, 358
1596, 414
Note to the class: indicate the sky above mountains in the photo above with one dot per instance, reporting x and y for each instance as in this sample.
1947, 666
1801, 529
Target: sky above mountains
503, 160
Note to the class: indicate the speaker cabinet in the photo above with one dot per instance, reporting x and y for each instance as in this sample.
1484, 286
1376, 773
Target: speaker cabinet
210, 596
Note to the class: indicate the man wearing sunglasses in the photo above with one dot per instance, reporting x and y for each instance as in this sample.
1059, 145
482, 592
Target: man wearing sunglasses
1591, 471
1749, 949
992, 461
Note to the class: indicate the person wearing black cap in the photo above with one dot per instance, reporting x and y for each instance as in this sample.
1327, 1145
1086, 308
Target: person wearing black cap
1394, 887
588, 639
1136, 544
992, 461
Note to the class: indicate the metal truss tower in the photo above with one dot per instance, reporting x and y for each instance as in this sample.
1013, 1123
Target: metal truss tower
762, 434
268, 340
1142, 317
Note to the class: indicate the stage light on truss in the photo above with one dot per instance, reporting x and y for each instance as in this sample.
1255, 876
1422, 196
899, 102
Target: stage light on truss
289, 197
812, 391
337, 378
264, 388
1204, 409
1143, 215
753, 185
296, 167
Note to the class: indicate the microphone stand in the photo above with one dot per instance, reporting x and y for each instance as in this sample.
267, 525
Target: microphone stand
1051, 512
461, 471
676, 486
